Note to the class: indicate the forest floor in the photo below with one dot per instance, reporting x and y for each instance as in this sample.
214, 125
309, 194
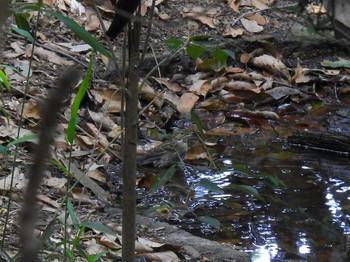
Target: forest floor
283, 88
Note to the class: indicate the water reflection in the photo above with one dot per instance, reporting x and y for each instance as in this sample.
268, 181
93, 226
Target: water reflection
304, 220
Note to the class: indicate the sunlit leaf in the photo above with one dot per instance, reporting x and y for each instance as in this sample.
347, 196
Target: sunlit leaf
210, 221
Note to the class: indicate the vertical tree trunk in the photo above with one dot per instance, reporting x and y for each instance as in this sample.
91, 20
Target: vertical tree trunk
130, 140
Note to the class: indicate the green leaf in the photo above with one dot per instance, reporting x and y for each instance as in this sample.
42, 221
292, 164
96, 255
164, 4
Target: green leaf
165, 176
4, 80
197, 121
229, 53
195, 51
206, 183
72, 214
76, 103
22, 140
49, 230
247, 189
336, 64
219, 55
22, 21
23, 33
202, 40
98, 227
211, 64
173, 43
210, 221
80, 32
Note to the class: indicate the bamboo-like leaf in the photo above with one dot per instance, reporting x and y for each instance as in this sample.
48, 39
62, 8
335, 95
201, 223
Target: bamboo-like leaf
210, 221
206, 183
98, 227
76, 104
80, 32
164, 178
4, 80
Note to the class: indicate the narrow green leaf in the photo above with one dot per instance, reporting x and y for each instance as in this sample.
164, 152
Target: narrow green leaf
22, 140
247, 189
209, 185
164, 178
23, 33
210, 221
76, 103
80, 32
50, 228
197, 121
4, 80
72, 214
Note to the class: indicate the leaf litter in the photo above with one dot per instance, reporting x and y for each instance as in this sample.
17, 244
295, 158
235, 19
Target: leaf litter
223, 98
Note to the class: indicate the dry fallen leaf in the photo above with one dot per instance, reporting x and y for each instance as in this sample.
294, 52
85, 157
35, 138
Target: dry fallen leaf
234, 4
233, 32
204, 15
271, 64
251, 26
187, 102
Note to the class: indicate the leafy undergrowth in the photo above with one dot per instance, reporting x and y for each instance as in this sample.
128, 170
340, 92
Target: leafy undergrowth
184, 113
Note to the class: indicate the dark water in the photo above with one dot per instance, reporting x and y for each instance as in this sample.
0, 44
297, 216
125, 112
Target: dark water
306, 212
306, 215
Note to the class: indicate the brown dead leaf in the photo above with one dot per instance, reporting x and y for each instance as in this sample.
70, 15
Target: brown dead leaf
233, 32
203, 15
170, 85
251, 26
151, 95
48, 56
234, 5
260, 20
229, 129
109, 97
300, 76
187, 102
31, 110
196, 152
96, 175
241, 85
92, 23
271, 65
104, 119
147, 4
201, 87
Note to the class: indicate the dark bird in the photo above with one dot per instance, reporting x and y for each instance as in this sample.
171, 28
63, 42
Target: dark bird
125, 9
